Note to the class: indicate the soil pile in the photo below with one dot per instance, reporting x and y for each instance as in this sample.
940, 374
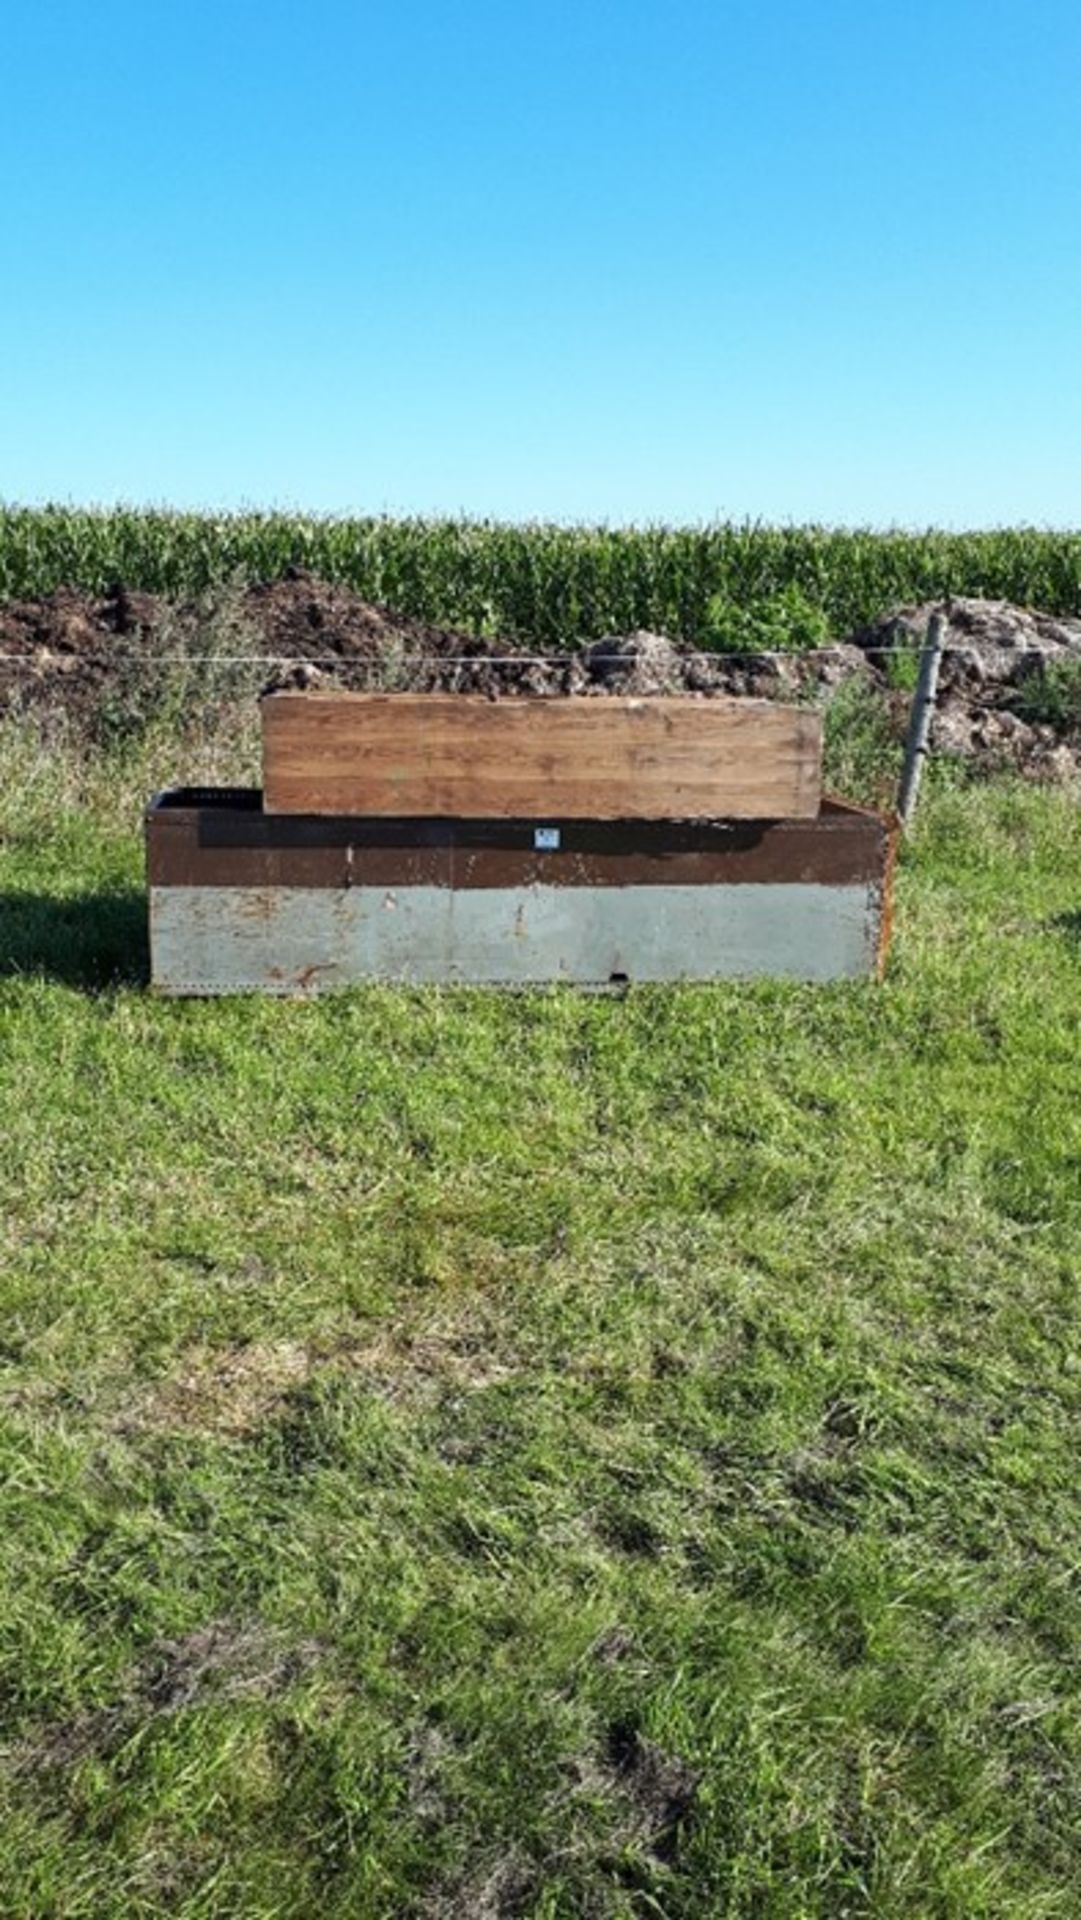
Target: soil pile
1010, 687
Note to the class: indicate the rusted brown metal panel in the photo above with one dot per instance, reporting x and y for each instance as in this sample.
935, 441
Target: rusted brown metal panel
204, 839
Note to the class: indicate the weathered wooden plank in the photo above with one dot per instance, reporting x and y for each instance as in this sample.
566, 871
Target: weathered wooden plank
611, 759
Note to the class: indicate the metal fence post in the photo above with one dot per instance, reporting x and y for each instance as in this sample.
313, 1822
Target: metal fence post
923, 709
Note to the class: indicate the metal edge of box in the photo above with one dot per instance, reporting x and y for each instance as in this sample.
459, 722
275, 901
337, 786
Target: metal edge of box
222, 839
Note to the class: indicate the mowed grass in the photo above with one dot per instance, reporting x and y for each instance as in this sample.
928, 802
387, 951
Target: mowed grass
477, 1456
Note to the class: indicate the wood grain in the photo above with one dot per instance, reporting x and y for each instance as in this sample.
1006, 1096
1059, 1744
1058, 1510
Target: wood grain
602, 759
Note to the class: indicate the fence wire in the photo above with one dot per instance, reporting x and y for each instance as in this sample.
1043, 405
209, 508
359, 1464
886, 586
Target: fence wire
717, 656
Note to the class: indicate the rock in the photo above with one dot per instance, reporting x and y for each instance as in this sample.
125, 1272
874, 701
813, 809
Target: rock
1000, 738
952, 729
293, 678
729, 677
639, 662
968, 667
1003, 733
829, 667
701, 674
1060, 766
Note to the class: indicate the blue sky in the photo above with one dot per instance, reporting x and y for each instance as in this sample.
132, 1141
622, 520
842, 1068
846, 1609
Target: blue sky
571, 259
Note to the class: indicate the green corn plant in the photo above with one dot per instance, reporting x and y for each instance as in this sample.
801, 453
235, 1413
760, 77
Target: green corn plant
547, 586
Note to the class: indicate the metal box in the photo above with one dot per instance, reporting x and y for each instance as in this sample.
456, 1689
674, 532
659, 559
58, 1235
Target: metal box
244, 901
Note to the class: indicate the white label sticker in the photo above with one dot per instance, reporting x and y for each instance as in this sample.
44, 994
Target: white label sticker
546, 839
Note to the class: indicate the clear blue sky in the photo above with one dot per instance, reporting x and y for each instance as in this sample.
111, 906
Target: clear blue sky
552, 257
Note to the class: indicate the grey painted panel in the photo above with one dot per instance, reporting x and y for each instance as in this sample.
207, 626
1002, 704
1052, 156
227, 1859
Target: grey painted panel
297, 940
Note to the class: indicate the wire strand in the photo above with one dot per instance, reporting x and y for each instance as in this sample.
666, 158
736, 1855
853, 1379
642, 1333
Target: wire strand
363, 662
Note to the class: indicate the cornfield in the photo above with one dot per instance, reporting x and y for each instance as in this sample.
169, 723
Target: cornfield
546, 585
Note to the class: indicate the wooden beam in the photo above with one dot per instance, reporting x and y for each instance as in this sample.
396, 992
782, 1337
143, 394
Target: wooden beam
608, 758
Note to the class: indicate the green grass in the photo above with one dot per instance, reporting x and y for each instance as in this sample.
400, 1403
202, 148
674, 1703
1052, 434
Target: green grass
722, 585
476, 1455
1053, 695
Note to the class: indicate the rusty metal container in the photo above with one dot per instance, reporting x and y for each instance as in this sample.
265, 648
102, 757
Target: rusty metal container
244, 901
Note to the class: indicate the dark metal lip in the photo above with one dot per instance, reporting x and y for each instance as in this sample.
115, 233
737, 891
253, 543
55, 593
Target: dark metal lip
201, 836
239, 799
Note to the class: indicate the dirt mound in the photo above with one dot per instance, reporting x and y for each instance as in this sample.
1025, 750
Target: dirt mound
1009, 685
75, 637
60, 650
1010, 682
985, 625
77, 652
302, 616
295, 617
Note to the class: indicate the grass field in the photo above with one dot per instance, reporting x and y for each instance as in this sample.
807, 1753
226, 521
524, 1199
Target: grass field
482, 1456
547, 586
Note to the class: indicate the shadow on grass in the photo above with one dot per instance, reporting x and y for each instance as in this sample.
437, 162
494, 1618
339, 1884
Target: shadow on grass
1068, 923
90, 940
